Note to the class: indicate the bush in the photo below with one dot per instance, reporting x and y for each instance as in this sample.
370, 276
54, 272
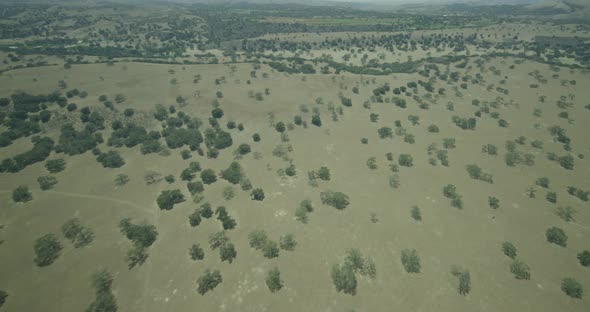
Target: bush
567, 162
288, 242
410, 261
257, 194
450, 191
47, 250
273, 280
551, 197
208, 176
208, 281
194, 219
55, 165
167, 199
21, 194
520, 270
217, 113
542, 182
405, 160
344, 279
584, 258
572, 288
143, 235
433, 129
556, 236
196, 252
566, 214
416, 214
244, 149
280, 127
195, 187
3, 294
316, 120
337, 200
509, 249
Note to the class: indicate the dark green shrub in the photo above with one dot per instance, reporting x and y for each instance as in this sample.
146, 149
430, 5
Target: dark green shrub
287, 242
280, 127
194, 219
433, 129
542, 182
416, 214
256, 137
227, 252
316, 120
551, 197
111, 159
493, 202
385, 132
195, 187
79, 235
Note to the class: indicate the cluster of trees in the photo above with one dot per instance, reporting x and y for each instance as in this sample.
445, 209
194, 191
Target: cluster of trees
465, 123
204, 211
227, 221
142, 236
343, 275
73, 142
42, 148
76, 233
227, 250
579, 193
105, 300
475, 172
269, 248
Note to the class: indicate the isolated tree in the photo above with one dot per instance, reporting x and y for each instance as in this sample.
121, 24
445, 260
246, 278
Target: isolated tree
208, 281
464, 280
556, 236
233, 174
385, 132
196, 252
21, 194
280, 127
79, 235
416, 214
47, 249
405, 160
273, 280
316, 120
572, 288
493, 202
257, 194
324, 173
270, 249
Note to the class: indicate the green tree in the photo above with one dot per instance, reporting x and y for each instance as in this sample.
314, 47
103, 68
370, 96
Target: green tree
208, 176
416, 214
405, 160
167, 199
337, 200
280, 127
257, 239
288, 242
208, 281
136, 255
21, 194
410, 261
324, 173
270, 249
105, 300
55, 165
556, 236
3, 294
572, 288
227, 252
584, 258
273, 280
344, 279
509, 249
520, 270
47, 249
233, 174
196, 252
464, 280
257, 194
493, 202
